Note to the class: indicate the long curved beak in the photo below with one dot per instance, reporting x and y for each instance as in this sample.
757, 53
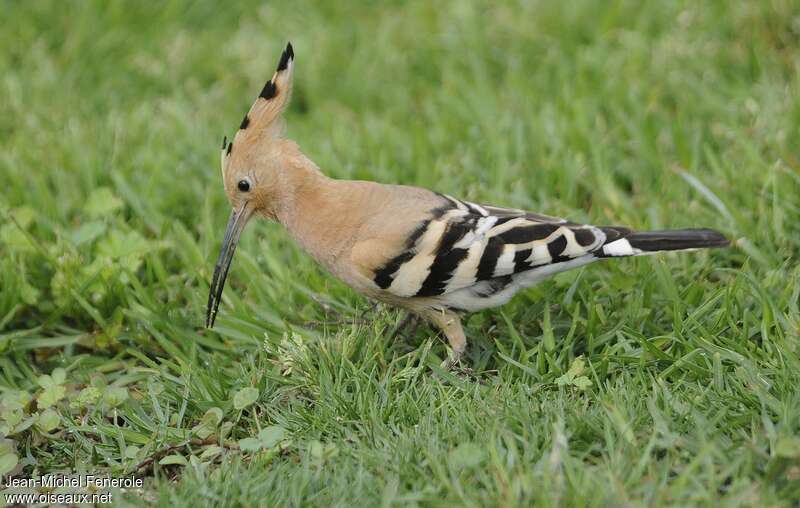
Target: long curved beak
236, 223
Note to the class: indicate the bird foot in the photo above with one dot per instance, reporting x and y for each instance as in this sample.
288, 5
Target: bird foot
453, 361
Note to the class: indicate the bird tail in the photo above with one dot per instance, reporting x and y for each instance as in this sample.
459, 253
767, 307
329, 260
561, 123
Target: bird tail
622, 242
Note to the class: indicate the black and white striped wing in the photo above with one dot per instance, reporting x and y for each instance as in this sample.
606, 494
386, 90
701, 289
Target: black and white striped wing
464, 245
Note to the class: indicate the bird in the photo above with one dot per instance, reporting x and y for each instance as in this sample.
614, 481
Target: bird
429, 253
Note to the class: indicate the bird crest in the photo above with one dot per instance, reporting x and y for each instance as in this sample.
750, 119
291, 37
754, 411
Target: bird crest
264, 120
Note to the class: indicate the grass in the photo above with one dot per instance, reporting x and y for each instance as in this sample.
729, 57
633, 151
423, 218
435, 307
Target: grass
655, 115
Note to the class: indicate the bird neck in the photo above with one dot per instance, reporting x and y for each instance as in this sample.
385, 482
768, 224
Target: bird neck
315, 210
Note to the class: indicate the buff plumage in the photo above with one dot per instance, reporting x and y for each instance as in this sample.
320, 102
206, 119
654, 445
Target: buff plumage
430, 253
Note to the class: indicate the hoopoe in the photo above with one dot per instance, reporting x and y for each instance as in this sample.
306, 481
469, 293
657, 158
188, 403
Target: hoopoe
430, 253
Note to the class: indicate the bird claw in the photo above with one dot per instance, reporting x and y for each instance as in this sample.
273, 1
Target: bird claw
453, 360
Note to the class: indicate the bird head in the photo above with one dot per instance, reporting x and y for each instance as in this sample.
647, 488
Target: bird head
254, 165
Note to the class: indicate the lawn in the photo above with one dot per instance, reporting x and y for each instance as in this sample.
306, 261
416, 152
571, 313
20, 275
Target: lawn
658, 381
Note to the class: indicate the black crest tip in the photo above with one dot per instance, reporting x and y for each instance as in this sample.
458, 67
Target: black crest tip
288, 54
245, 122
224, 142
230, 147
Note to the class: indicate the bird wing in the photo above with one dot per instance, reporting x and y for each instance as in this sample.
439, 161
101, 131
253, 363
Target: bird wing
463, 244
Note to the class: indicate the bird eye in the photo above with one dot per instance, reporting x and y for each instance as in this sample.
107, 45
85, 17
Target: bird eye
244, 185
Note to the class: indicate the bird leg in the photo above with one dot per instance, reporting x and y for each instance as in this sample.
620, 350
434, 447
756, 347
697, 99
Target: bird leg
404, 322
408, 324
450, 324
412, 329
